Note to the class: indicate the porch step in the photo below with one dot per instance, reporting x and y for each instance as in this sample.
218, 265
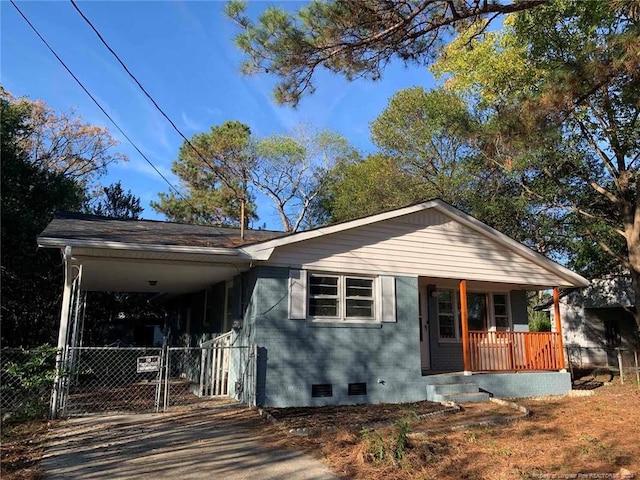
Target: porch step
443, 388
456, 391
465, 397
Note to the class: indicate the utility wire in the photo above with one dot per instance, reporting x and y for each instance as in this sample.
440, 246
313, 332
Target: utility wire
94, 99
155, 104
35, 30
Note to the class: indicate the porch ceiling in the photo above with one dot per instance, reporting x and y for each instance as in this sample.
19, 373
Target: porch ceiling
139, 275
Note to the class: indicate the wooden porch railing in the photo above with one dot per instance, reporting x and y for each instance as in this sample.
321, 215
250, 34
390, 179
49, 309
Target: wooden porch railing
514, 351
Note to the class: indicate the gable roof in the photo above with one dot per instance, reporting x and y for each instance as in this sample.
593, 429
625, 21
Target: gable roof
264, 250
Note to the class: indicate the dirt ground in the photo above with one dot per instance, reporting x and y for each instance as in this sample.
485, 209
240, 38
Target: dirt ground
315, 418
598, 434
22, 447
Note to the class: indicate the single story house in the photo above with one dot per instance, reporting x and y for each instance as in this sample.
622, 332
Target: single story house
418, 302
596, 320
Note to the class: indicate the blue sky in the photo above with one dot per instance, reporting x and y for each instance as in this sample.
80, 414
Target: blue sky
183, 53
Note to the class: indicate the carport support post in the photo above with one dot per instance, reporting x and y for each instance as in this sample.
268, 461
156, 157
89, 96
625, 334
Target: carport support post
63, 332
556, 314
464, 318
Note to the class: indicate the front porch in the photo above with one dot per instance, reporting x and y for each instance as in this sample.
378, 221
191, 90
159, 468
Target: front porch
482, 329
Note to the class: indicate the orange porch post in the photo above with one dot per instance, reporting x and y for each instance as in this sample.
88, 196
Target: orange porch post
464, 318
556, 314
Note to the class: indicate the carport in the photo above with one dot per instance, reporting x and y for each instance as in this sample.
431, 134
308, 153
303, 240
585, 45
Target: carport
113, 255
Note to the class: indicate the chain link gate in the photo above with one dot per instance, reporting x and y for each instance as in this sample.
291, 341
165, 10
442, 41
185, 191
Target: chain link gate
138, 379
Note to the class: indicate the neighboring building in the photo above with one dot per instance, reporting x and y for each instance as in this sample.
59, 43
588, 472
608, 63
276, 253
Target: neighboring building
597, 320
365, 311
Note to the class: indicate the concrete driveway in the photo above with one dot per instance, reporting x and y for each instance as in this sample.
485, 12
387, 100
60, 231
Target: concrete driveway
216, 441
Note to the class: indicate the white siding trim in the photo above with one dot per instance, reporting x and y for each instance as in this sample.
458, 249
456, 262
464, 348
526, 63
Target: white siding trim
388, 299
298, 294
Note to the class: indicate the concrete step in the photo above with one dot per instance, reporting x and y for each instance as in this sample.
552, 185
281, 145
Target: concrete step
448, 378
464, 397
441, 388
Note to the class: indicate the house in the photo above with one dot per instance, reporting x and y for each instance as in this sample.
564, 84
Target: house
597, 320
419, 302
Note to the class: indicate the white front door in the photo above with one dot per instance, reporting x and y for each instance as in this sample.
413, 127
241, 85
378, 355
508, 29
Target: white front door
424, 328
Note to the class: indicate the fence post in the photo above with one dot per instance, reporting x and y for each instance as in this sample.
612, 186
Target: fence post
635, 357
569, 362
620, 366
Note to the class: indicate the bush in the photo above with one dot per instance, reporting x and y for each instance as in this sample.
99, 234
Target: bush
387, 449
27, 380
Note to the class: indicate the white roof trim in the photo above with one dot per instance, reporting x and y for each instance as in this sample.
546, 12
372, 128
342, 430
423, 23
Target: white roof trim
48, 242
263, 250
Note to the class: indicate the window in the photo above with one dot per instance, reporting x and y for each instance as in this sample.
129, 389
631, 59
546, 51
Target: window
612, 333
341, 297
501, 311
446, 314
486, 311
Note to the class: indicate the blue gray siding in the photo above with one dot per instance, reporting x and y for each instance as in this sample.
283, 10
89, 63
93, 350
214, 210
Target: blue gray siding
294, 354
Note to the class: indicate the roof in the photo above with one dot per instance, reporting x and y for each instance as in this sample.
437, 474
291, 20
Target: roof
263, 250
94, 228
612, 291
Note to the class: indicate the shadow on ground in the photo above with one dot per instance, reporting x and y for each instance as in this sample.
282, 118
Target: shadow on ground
213, 441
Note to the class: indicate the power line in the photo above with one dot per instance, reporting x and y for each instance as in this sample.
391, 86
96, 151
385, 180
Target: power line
148, 95
35, 30
94, 100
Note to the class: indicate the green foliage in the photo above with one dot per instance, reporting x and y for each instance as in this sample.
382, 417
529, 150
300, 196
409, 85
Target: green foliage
364, 187
356, 38
387, 449
566, 121
539, 321
28, 382
213, 188
30, 195
115, 203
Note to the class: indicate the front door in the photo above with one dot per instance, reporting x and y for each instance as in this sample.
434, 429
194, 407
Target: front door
423, 320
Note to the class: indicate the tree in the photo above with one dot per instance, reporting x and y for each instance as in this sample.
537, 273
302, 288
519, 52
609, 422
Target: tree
64, 142
214, 176
571, 129
30, 195
289, 169
364, 187
356, 38
292, 171
48, 162
115, 203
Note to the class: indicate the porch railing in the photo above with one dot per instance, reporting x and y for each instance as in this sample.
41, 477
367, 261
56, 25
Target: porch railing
214, 369
514, 351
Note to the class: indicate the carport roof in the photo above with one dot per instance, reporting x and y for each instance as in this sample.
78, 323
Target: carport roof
94, 228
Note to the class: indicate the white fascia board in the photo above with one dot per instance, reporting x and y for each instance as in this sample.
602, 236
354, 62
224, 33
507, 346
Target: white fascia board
573, 278
265, 248
47, 242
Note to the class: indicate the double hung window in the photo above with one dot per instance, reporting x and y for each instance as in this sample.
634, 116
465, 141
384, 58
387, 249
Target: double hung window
341, 297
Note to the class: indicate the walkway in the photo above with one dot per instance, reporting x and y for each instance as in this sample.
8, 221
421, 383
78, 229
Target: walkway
223, 441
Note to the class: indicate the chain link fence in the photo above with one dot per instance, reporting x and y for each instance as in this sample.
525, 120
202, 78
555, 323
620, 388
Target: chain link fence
589, 366
26, 380
105, 379
122, 379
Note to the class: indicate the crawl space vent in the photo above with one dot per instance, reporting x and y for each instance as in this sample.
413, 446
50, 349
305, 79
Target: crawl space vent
322, 390
357, 389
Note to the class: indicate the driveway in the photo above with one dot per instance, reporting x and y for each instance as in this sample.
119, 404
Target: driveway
216, 441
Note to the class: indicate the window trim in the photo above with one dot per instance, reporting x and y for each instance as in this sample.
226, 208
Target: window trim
491, 316
342, 299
